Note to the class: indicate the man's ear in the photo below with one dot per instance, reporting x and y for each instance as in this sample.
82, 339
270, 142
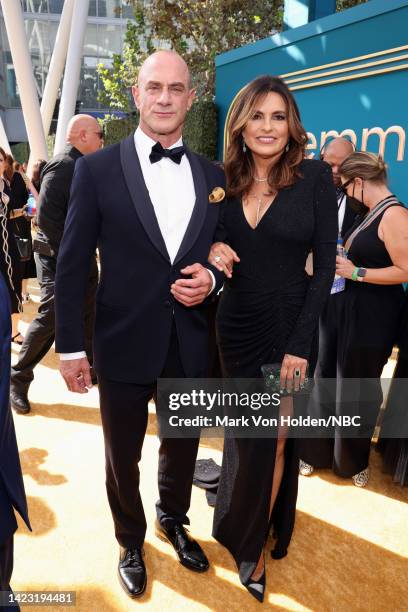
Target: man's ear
191, 96
136, 95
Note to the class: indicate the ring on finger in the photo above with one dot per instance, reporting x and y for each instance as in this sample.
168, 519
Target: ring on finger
217, 258
297, 373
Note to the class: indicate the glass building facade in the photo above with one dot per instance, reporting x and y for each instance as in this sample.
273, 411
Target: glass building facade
103, 37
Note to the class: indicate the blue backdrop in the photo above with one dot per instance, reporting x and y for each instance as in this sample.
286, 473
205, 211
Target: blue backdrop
348, 71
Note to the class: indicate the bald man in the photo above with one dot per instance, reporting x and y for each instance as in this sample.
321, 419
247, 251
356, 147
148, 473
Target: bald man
84, 135
145, 202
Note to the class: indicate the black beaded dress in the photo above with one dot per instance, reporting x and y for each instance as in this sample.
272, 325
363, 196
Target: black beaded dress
269, 308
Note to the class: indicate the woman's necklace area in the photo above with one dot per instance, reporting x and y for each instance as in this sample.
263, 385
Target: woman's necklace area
259, 204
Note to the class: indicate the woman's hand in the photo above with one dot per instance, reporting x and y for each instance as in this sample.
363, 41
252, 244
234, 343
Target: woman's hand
344, 267
223, 257
293, 372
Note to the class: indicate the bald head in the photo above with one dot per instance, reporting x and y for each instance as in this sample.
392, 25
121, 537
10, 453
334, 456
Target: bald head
84, 133
335, 153
163, 95
171, 59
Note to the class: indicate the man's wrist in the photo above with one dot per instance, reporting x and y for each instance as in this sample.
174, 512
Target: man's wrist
212, 280
68, 356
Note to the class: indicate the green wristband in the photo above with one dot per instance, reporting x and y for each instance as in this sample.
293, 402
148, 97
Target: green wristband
354, 274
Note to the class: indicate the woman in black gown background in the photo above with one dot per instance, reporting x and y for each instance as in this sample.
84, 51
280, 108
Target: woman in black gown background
279, 207
368, 314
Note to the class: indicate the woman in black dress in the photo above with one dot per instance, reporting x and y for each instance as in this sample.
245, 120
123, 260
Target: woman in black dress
21, 223
368, 313
280, 206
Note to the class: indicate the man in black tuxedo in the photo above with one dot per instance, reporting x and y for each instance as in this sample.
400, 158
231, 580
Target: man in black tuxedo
145, 203
12, 495
319, 453
84, 135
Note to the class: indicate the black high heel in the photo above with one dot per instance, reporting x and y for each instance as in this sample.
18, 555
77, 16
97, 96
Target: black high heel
257, 587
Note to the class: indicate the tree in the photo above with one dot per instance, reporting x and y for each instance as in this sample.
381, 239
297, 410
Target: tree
342, 5
198, 29
118, 79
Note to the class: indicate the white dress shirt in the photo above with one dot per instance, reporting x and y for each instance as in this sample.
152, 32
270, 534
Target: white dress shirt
341, 205
173, 206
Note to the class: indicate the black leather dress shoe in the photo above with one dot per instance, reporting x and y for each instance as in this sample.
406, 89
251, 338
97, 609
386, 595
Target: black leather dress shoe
132, 571
19, 401
189, 552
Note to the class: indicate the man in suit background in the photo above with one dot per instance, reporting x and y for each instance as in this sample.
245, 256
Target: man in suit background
319, 453
12, 495
145, 202
84, 135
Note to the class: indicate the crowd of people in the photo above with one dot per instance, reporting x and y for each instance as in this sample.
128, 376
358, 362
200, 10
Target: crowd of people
177, 234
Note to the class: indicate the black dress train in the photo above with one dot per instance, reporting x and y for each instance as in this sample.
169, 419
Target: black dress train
269, 308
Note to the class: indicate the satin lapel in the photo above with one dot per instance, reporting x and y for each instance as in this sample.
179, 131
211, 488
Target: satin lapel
140, 195
200, 207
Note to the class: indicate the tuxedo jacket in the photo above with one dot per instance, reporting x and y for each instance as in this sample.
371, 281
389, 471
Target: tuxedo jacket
12, 495
110, 208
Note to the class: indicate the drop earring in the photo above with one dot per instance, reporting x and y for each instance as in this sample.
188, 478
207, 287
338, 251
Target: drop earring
287, 147
244, 146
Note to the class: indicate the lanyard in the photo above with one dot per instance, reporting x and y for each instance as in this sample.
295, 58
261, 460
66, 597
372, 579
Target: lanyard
373, 214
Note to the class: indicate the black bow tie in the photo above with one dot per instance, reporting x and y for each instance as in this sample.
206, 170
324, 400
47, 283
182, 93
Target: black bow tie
158, 152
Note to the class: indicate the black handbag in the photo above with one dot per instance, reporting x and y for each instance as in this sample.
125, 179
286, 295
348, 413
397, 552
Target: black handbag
24, 248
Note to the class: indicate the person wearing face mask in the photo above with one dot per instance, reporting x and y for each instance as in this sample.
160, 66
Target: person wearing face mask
368, 311
279, 207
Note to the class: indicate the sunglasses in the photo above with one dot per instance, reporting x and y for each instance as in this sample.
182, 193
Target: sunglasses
100, 134
343, 186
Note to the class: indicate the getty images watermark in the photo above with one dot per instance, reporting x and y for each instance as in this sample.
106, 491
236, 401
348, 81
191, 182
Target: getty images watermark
254, 401
247, 408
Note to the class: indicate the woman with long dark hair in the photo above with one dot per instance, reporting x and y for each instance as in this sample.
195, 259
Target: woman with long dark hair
279, 207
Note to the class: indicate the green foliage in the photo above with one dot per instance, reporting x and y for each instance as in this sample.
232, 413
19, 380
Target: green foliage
201, 29
197, 29
118, 80
342, 5
20, 152
200, 130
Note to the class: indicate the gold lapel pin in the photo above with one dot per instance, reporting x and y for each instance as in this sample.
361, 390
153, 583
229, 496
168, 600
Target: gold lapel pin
217, 195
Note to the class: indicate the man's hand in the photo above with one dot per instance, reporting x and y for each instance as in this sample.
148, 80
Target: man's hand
77, 375
192, 291
223, 257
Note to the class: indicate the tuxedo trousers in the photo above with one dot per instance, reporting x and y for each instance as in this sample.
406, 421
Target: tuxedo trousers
125, 418
41, 331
